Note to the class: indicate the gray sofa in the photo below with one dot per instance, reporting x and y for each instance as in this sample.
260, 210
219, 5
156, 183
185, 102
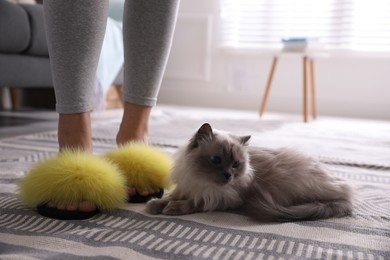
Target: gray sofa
24, 58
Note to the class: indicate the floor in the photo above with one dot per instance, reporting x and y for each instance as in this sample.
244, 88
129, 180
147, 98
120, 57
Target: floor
34, 121
354, 149
26, 122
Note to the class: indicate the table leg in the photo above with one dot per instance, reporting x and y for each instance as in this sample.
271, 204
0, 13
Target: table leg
313, 89
268, 87
305, 89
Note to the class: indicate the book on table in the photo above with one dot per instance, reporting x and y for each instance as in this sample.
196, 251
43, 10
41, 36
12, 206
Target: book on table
302, 44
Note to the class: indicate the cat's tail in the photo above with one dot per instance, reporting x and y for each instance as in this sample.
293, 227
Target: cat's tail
308, 211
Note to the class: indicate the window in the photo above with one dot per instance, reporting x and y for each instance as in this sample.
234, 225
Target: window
359, 25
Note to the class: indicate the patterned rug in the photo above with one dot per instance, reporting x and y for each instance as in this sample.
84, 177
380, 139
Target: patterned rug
356, 150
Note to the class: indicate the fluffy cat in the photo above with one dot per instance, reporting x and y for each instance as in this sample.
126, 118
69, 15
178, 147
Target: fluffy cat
219, 171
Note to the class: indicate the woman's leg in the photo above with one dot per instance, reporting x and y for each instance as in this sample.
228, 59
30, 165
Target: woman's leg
148, 28
75, 31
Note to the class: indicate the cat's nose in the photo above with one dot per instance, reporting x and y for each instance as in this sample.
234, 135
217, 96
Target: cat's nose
227, 175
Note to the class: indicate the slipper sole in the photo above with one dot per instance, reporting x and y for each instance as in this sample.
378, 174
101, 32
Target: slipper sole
143, 199
55, 213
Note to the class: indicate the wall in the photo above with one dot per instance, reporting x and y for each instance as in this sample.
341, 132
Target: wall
200, 73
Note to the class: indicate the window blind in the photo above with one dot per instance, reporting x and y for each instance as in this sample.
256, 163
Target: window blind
362, 25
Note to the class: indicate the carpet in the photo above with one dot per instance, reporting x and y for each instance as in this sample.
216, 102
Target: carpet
356, 150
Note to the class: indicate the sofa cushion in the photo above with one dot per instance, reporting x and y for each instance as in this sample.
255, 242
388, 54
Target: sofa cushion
25, 71
38, 44
14, 28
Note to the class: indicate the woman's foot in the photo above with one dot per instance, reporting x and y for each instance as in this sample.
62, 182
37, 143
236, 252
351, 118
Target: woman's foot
84, 206
74, 132
135, 127
132, 192
135, 124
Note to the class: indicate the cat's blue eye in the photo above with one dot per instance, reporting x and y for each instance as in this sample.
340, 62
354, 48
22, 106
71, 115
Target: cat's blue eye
236, 164
215, 159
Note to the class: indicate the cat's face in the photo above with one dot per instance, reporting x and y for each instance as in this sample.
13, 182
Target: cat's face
217, 158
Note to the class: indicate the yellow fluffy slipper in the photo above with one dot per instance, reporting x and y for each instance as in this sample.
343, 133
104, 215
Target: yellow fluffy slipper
70, 178
145, 167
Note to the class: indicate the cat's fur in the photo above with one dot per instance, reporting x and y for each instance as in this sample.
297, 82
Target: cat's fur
219, 171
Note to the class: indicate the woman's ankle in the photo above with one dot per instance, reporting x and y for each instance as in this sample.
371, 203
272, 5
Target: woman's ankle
74, 131
135, 124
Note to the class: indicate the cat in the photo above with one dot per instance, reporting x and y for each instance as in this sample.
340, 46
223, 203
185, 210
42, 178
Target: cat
217, 170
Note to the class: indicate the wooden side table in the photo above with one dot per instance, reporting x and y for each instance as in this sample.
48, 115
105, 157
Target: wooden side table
308, 79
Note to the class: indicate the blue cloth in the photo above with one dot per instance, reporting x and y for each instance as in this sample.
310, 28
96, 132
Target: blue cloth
110, 62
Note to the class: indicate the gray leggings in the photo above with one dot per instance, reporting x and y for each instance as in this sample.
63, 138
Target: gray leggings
75, 31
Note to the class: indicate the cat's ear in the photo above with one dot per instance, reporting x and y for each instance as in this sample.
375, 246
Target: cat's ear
244, 139
204, 134
205, 130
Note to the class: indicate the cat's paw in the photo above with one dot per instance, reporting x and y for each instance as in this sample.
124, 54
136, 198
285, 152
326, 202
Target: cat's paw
155, 207
178, 207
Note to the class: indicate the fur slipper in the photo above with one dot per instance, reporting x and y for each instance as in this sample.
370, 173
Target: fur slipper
70, 178
148, 168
